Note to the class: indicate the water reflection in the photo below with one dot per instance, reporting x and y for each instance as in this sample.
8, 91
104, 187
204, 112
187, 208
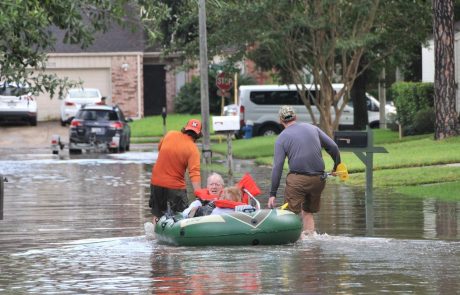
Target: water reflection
74, 226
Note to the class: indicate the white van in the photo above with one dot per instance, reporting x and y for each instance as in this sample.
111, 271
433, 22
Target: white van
259, 105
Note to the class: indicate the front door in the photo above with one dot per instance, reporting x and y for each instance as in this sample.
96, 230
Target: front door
154, 89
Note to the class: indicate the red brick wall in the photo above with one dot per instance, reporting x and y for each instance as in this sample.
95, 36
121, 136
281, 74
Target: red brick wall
170, 89
125, 85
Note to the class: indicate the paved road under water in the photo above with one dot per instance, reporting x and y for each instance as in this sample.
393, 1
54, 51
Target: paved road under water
75, 226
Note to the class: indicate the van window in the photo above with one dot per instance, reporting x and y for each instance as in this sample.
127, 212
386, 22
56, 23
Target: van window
289, 97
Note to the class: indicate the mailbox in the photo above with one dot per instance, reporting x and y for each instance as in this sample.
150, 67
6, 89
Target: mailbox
357, 139
226, 123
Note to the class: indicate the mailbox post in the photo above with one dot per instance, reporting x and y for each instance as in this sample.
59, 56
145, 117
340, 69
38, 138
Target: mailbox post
361, 143
164, 114
227, 125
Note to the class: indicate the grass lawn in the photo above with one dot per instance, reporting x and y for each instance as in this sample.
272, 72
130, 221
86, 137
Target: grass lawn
414, 165
152, 126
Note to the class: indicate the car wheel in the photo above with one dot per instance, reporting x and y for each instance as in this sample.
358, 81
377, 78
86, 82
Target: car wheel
269, 130
122, 146
63, 123
74, 151
114, 150
127, 145
238, 135
375, 124
33, 121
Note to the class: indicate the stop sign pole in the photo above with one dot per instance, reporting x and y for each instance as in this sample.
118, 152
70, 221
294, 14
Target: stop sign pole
224, 82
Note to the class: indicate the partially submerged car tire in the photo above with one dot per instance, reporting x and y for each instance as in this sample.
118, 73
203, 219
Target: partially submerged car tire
114, 150
74, 151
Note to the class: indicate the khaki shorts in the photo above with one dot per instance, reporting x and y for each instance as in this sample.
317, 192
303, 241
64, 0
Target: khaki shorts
160, 196
303, 192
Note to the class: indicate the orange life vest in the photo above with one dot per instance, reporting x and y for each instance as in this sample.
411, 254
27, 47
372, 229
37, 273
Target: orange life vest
227, 204
247, 182
204, 195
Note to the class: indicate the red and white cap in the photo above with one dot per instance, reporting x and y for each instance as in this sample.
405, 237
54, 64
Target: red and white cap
194, 125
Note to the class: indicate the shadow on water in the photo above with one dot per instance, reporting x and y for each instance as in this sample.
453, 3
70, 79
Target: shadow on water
75, 225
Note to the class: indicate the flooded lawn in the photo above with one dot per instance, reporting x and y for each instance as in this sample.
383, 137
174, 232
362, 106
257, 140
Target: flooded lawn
75, 226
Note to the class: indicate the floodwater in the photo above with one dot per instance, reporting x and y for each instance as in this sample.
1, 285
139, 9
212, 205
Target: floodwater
75, 226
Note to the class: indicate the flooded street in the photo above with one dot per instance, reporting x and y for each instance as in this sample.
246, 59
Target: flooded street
75, 226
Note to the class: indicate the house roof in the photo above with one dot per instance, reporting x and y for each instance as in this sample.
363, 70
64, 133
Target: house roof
116, 39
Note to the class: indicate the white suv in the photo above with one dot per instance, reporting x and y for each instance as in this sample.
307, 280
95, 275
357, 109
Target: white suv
75, 99
17, 104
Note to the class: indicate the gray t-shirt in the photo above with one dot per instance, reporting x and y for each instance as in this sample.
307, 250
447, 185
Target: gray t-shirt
302, 144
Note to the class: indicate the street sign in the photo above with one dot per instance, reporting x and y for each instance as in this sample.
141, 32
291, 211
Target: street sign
223, 93
224, 82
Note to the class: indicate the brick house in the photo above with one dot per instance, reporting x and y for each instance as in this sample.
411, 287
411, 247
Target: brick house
140, 80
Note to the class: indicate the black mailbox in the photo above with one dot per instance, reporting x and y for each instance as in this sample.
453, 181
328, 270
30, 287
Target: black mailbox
356, 139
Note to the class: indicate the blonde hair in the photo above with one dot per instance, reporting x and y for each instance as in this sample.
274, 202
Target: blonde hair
232, 193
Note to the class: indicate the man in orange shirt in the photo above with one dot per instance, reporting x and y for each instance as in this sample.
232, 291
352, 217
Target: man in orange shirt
177, 153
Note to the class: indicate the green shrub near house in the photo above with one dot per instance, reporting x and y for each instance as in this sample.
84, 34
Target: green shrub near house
414, 103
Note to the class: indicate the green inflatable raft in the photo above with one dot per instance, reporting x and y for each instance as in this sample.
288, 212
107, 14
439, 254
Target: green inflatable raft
262, 227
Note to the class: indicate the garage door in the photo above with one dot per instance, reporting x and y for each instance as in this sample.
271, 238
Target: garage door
48, 109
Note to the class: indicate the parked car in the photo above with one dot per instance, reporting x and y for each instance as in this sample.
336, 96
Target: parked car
75, 99
17, 104
100, 127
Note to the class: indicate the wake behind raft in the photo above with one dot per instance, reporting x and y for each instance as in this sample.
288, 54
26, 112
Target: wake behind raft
259, 227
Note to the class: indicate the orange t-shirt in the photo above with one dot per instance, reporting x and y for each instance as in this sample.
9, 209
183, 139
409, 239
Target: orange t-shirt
177, 152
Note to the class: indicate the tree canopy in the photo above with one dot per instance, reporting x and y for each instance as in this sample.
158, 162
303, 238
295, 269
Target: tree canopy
325, 39
25, 27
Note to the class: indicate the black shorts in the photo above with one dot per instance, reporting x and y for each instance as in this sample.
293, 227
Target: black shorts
160, 196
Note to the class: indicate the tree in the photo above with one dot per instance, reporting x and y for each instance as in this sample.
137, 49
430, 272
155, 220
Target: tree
325, 38
446, 122
26, 35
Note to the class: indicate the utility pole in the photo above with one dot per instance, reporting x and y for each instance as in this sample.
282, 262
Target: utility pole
204, 82
382, 99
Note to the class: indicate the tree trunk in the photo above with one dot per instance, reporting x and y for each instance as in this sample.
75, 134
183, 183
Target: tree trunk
446, 123
358, 95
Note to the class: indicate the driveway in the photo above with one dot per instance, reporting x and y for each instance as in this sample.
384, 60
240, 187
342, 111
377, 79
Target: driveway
21, 136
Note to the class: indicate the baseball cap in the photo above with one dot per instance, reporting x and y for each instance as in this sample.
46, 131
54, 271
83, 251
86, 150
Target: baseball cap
287, 113
194, 125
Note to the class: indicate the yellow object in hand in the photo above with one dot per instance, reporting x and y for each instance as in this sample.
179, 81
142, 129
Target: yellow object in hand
342, 171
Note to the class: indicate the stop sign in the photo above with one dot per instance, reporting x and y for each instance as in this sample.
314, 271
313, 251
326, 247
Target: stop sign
224, 82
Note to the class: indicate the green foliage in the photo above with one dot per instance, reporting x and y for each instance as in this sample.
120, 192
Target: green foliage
26, 36
424, 121
188, 100
410, 98
300, 38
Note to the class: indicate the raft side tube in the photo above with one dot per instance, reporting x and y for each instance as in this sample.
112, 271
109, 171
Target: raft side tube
263, 227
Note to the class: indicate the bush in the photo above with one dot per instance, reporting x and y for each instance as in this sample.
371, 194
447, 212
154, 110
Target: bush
410, 98
188, 100
424, 121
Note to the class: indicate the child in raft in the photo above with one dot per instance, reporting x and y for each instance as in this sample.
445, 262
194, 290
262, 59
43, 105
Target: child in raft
230, 194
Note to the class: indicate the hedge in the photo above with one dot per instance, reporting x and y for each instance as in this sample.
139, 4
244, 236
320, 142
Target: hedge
414, 101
